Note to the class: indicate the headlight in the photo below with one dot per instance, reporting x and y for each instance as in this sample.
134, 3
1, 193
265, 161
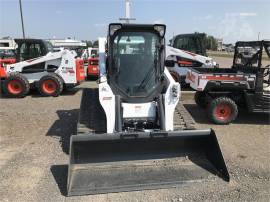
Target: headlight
175, 91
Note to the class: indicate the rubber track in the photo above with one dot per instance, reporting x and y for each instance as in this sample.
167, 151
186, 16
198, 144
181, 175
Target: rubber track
182, 118
92, 118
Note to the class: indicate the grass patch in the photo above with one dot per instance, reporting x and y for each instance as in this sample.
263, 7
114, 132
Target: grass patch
228, 55
220, 55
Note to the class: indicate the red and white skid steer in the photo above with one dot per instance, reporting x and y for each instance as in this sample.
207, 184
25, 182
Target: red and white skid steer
39, 67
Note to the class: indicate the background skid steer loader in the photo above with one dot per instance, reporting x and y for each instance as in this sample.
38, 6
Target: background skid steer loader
132, 132
37, 66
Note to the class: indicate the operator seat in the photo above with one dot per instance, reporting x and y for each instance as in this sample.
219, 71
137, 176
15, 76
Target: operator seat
34, 53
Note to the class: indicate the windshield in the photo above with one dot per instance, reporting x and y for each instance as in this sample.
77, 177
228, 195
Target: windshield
193, 44
49, 46
135, 59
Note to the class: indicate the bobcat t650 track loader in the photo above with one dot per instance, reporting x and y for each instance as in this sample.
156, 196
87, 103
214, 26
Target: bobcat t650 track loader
132, 132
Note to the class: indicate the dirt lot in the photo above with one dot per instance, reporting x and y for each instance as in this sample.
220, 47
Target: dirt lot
35, 133
226, 62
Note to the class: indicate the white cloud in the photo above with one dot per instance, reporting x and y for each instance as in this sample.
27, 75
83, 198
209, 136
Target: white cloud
100, 25
58, 12
206, 17
248, 14
234, 27
159, 21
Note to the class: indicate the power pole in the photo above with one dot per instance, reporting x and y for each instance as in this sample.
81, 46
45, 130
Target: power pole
22, 18
127, 18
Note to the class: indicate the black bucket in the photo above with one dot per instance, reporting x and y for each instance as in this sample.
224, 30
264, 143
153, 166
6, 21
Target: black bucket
123, 162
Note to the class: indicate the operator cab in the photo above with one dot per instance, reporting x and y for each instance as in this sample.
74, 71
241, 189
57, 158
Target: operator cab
195, 43
135, 65
31, 48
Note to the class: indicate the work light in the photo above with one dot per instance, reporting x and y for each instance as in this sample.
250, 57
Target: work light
160, 29
113, 28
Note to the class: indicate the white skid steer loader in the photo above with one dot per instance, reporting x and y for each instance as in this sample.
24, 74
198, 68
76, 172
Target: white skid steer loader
184, 61
37, 66
132, 132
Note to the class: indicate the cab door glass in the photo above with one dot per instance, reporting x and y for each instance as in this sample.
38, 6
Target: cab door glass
24, 52
34, 51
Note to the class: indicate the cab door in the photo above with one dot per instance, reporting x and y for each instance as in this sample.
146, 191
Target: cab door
29, 50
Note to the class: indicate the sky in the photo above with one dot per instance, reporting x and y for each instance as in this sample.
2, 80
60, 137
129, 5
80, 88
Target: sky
231, 20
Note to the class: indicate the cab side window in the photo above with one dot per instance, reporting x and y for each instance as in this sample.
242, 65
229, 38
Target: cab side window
24, 52
34, 51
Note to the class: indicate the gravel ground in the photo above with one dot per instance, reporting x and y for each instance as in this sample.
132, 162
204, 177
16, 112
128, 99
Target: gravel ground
34, 141
223, 62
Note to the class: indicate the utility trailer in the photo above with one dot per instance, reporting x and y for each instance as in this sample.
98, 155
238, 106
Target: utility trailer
247, 85
132, 132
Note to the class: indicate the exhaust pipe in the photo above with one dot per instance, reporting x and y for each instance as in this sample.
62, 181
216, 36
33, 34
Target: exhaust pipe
103, 163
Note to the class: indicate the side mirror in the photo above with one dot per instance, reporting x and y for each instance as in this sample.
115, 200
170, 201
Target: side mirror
169, 63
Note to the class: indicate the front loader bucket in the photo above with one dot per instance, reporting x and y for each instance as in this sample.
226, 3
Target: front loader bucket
102, 163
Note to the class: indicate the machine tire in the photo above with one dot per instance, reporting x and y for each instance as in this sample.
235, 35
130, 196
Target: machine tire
200, 99
16, 85
222, 110
50, 85
90, 77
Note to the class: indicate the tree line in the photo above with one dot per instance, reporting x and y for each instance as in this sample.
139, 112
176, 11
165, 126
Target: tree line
209, 41
91, 43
